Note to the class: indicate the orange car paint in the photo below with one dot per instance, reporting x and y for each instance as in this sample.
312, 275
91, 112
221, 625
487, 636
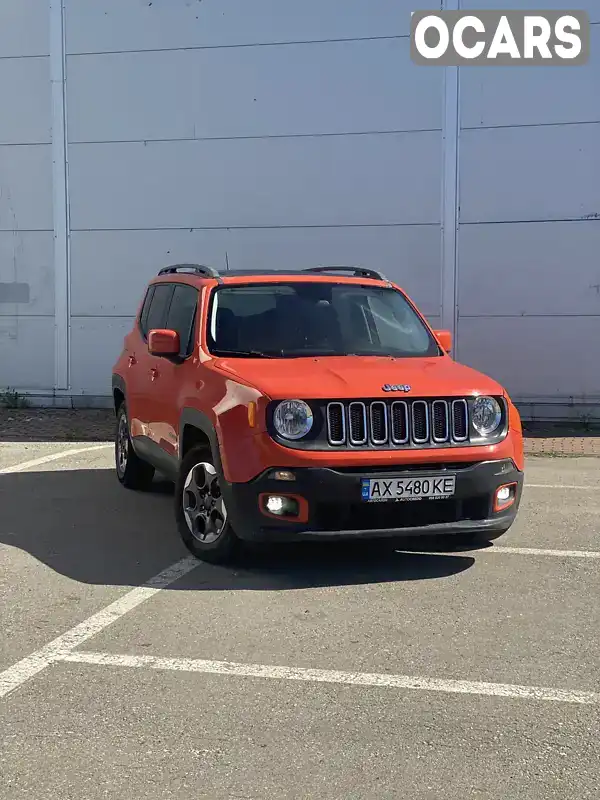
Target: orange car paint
225, 389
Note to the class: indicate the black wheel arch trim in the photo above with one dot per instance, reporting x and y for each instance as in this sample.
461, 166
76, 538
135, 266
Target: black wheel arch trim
192, 417
119, 383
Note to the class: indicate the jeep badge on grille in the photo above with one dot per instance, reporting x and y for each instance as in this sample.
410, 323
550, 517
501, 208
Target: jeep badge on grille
392, 387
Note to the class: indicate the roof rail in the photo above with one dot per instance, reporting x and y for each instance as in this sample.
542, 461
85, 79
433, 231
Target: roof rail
197, 269
358, 272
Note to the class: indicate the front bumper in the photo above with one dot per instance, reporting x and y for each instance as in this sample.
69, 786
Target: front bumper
333, 506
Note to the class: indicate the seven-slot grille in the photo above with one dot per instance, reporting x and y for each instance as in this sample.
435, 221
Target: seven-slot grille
401, 422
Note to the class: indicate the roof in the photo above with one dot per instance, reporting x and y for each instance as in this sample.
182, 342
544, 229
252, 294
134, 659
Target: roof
202, 271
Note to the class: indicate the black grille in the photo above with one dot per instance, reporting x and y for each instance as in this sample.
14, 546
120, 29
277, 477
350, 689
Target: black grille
378, 423
439, 413
358, 423
399, 414
420, 422
336, 427
460, 420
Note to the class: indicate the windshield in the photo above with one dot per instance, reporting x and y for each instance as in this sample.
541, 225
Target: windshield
286, 320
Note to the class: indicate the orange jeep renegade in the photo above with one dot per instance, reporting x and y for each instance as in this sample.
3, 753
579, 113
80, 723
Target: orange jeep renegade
313, 404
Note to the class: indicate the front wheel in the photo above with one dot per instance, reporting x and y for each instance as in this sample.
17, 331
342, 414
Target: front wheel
200, 510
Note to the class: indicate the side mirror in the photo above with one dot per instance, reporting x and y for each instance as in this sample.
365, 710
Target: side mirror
445, 340
164, 343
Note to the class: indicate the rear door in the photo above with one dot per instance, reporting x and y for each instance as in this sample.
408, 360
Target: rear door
155, 316
135, 377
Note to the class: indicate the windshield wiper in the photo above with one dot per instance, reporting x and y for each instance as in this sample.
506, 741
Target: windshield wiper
242, 353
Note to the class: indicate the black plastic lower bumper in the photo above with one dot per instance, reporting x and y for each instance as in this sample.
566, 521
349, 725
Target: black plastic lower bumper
336, 507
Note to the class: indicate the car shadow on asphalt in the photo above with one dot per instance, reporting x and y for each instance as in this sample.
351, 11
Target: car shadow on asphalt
84, 525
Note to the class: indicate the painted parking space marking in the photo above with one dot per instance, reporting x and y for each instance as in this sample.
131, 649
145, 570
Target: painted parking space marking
518, 551
63, 648
38, 462
333, 676
562, 486
537, 551
28, 667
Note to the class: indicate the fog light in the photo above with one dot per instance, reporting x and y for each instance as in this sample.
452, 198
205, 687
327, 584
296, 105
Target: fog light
504, 496
281, 506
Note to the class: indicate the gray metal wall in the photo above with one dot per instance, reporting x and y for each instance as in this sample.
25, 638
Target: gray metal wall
26, 209
284, 134
529, 235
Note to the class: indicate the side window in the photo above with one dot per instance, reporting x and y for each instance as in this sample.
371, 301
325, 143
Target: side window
182, 316
145, 310
159, 306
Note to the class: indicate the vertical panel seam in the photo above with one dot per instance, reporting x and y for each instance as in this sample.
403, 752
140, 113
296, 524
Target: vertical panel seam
449, 193
60, 196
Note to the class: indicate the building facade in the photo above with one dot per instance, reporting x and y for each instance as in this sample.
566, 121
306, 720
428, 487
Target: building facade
138, 133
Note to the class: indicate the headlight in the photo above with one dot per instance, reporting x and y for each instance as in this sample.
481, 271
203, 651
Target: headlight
293, 419
487, 415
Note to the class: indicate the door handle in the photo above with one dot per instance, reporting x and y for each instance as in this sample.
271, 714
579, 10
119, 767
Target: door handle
153, 374
132, 361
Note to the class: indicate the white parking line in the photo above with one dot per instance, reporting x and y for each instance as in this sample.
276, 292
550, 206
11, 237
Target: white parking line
22, 671
334, 676
596, 487
537, 551
519, 551
38, 462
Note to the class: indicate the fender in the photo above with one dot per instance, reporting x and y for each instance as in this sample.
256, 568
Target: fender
118, 383
191, 417
197, 419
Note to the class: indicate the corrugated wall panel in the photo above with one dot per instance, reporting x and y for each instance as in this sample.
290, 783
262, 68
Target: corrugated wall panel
285, 135
408, 254
26, 352
529, 190
25, 100
323, 88
537, 172
592, 7
276, 149
109, 25
319, 181
536, 358
26, 249
24, 28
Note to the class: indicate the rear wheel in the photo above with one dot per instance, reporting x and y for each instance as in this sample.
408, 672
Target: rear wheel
200, 510
132, 472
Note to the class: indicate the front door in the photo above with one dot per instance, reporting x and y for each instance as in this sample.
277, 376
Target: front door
168, 378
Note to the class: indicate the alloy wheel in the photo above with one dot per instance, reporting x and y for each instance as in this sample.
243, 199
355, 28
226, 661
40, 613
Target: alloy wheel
122, 444
203, 505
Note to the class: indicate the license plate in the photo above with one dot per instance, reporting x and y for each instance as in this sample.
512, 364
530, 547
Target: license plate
381, 490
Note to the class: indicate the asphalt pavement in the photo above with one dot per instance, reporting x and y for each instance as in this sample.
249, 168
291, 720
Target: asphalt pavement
129, 670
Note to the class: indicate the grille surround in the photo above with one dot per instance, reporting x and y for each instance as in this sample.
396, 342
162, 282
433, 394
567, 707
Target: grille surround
417, 423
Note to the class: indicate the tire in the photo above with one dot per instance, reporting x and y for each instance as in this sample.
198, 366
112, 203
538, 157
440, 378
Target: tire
200, 511
132, 472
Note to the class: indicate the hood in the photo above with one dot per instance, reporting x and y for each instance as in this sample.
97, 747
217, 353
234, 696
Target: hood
357, 376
